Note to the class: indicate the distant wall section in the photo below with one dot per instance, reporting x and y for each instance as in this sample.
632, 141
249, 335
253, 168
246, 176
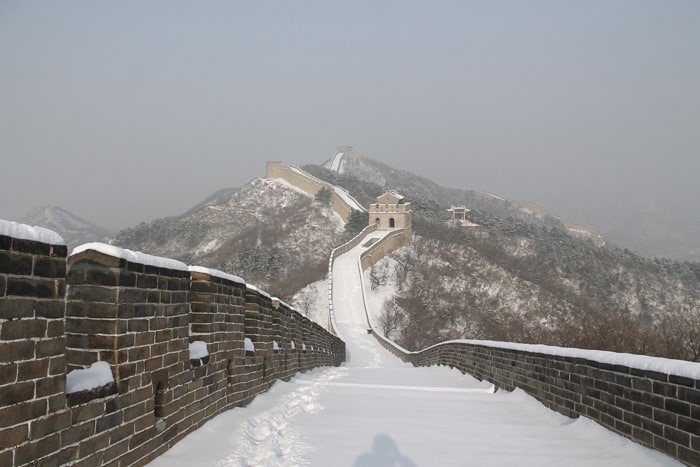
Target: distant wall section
312, 185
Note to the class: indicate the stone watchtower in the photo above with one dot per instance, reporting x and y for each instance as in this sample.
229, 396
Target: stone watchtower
390, 212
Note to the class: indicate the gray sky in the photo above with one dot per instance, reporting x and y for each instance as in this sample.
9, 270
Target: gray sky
125, 111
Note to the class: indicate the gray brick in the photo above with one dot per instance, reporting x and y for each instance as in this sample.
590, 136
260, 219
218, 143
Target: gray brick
23, 329
31, 287
676, 436
132, 296
15, 263
676, 406
28, 246
689, 425
689, 456
50, 267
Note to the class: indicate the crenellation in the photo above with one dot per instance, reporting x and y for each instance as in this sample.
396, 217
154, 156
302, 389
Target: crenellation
652, 408
140, 319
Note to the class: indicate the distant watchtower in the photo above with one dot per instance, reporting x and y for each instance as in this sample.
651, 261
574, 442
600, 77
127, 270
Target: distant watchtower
390, 212
458, 215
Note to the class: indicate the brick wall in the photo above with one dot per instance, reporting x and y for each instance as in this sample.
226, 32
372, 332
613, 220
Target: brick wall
657, 410
32, 357
386, 245
141, 320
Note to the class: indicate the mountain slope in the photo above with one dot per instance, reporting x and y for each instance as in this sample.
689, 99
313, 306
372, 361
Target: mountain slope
630, 221
74, 230
537, 284
268, 232
430, 199
525, 275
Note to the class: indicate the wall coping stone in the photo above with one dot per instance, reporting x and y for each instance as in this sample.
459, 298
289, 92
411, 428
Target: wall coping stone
645, 363
132, 256
27, 232
217, 273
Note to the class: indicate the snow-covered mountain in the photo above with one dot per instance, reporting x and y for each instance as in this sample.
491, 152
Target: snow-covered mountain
430, 198
632, 222
537, 284
525, 275
74, 230
268, 232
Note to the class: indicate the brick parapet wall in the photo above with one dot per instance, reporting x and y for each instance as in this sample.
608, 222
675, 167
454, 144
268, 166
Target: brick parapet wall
140, 319
32, 348
385, 246
657, 410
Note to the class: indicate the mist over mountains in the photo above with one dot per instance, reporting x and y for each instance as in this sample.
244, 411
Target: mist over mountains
524, 274
268, 232
631, 220
74, 230
638, 224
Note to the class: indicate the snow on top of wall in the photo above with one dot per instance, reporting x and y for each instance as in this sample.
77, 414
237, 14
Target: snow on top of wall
288, 185
304, 173
493, 196
132, 256
27, 232
217, 273
343, 193
248, 345
198, 349
640, 362
283, 303
260, 291
95, 376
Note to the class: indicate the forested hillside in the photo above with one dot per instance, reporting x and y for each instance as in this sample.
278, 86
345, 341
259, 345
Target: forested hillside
521, 282
268, 232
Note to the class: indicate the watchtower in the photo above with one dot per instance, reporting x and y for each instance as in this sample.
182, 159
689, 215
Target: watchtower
390, 212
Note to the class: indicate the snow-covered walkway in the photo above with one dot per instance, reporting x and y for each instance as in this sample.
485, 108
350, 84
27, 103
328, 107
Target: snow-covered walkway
378, 411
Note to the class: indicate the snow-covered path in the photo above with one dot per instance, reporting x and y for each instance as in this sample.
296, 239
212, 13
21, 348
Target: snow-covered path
361, 348
379, 411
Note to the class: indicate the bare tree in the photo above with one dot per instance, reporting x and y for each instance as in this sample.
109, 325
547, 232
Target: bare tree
305, 300
391, 320
378, 275
680, 334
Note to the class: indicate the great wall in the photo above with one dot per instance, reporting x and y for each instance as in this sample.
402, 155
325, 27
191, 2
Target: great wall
59, 314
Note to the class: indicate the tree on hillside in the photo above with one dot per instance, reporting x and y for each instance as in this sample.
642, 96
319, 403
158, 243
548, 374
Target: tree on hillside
357, 222
680, 334
392, 319
324, 196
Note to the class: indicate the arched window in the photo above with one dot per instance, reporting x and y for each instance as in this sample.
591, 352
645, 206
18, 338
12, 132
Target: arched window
392, 223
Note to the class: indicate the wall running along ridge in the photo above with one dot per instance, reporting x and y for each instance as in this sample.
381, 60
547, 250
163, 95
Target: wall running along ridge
309, 184
58, 316
657, 409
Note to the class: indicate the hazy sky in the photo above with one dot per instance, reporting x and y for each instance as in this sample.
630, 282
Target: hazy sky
125, 111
